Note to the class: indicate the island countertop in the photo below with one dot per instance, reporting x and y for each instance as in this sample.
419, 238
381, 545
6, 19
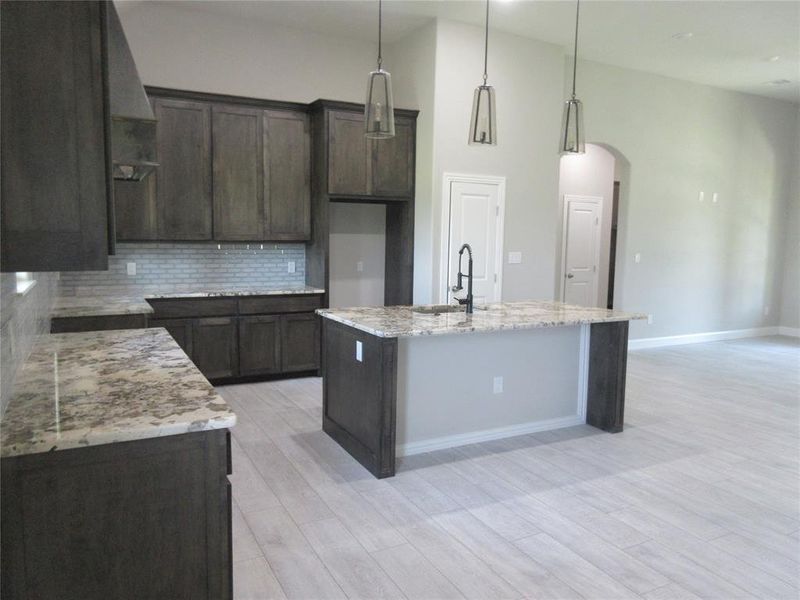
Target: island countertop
409, 321
102, 387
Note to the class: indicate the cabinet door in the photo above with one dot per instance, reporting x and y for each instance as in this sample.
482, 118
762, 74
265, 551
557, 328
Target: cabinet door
180, 330
393, 161
259, 345
347, 160
215, 349
183, 178
287, 169
55, 184
300, 342
238, 173
135, 209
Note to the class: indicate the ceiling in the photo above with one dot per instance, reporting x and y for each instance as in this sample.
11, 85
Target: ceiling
733, 44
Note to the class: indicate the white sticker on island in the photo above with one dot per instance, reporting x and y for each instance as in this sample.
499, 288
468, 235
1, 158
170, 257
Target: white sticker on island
359, 351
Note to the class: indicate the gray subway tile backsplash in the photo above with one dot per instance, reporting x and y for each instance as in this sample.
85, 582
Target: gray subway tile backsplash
181, 266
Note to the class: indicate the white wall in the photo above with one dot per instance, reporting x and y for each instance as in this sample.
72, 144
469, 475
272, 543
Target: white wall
182, 48
590, 174
528, 78
705, 267
358, 235
790, 300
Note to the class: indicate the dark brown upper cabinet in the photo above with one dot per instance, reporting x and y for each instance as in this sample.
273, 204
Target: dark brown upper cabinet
238, 160
55, 130
358, 166
183, 177
393, 161
348, 173
287, 173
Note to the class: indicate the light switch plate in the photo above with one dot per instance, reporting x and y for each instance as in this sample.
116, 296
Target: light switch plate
131, 268
360, 266
291, 266
359, 351
497, 385
701, 196
514, 258
714, 197
637, 258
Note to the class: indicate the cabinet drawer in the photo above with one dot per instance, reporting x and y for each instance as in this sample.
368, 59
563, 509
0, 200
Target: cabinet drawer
278, 304
177, 308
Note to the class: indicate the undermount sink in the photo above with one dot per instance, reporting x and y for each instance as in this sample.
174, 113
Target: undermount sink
437, 309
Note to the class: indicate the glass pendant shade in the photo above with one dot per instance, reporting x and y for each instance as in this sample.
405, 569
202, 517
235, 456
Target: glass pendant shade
572, 138
483, 124
379, 107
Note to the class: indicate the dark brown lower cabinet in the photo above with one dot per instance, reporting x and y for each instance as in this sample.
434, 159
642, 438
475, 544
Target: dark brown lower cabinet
299, 342
98, 323
260, 345
215, 347
180, 330
131, 520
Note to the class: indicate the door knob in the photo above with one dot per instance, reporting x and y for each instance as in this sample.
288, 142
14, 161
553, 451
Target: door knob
570, 275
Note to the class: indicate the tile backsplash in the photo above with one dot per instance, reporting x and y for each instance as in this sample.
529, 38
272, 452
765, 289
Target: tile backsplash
185, 266
23, 318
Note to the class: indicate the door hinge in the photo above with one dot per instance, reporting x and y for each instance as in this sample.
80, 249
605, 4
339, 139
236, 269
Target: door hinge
495, 277
497, 211
594, 268
597, 220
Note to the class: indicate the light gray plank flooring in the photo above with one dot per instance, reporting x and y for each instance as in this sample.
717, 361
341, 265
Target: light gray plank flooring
699, 497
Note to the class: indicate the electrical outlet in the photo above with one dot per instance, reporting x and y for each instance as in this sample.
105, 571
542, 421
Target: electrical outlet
766, 311
359, 351
131, 269
649, 319
497, 385
715, 197
360, 266
514, 258
637, 258
701, 196
290, 266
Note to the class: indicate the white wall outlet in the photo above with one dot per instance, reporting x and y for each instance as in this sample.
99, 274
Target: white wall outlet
649, 319
637, 258
290, 266
701, 196
766, 311
497, 385
514, 258
715, 197
359, 351
360, 266
131, 269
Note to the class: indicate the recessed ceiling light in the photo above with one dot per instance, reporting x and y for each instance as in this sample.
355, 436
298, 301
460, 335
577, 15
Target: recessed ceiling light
778, 82
683, 35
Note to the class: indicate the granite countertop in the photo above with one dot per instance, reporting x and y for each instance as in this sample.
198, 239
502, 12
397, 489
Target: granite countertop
136, 304
405, 321
102, 387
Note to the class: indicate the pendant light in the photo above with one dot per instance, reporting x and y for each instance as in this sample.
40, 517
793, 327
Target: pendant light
572, 136
379, 107
483, 124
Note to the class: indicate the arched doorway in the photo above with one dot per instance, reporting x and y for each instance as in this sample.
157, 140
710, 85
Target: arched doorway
592, 200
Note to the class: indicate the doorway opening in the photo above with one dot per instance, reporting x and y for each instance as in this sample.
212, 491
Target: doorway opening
590, 187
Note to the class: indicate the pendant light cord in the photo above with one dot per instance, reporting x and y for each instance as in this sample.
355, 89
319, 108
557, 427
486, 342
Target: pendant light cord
486, 46
380, 28
575, 54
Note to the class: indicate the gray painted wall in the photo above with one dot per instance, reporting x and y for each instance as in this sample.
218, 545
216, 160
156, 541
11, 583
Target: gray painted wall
23, 318
790, 294
189, 266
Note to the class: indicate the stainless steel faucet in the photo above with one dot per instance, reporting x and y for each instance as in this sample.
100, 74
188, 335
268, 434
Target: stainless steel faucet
459, 286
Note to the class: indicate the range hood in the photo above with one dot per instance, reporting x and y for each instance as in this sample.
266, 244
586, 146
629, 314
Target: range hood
133, 124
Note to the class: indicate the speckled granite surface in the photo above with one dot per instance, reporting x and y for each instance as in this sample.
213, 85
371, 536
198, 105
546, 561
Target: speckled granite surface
136, 303
405, 321
87, 389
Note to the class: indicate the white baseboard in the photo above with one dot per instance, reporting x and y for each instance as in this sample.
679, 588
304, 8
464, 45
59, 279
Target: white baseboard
790, 331
698, 338
462, 439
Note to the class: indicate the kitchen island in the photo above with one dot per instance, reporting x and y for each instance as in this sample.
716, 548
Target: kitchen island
410, 379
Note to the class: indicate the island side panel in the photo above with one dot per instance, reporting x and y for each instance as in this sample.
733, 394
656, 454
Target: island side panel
608, 358
360, 397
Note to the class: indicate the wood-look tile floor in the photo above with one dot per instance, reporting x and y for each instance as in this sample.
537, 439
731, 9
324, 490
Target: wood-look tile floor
698, 497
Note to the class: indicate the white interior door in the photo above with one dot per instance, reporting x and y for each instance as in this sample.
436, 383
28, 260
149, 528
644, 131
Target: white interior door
581, 249
475, 218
